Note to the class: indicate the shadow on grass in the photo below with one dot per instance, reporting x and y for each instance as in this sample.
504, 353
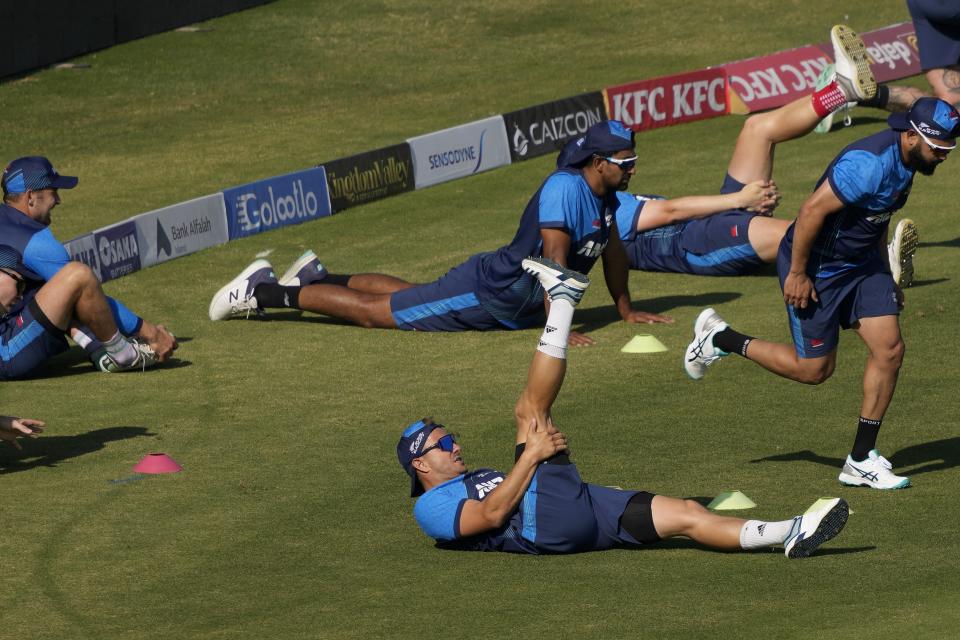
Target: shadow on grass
937, 455
599, 317
944, 243
74, 362
47, 451
674, 544
924, 283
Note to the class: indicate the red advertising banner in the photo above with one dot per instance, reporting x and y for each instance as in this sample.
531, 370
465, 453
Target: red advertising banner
662, 102
767, 82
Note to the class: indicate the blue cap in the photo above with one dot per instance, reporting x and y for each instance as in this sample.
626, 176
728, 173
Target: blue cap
34, 173
602, 138
11, 260
932, 117
411, 445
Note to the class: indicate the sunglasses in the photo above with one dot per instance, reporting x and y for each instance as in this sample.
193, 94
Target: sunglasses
933, 146
21, 283
444, 444
625, 164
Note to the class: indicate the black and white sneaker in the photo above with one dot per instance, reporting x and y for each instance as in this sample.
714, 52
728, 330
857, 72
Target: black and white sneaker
559, 282
822, 522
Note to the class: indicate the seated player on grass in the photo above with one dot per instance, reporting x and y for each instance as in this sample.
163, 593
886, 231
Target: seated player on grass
35, 316
731, 233
542, 505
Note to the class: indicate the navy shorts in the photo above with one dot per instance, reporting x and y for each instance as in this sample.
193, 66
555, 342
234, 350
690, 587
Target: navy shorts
862, 292
563, 514
937, 25
719, 245
27, 339
447, 304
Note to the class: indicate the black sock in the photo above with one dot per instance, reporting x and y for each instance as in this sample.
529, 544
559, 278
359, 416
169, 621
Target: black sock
732, 342
866, 438
275, 296
878, 101
336, 278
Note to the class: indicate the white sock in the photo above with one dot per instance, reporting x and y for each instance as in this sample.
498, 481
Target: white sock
757, 534
553, 342
121, 350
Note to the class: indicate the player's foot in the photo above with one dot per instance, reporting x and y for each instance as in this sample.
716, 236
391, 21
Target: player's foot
826, 77
306, 270
901, 250
874, 472
237, 296
823, 521
559, 282
701, 353
146, 358
852, 64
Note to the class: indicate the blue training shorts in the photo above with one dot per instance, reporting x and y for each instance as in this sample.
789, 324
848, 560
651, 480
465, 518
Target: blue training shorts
719, 245
862, 292
562, 514
27, 339
937, 25
447, 304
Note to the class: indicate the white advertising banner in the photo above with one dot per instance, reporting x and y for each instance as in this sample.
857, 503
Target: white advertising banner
459, 151
181, 229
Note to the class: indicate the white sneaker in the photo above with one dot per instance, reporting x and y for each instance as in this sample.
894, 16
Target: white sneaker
701, 353
874, 472
559, 282
306, 270
146, 358
852, 64
237, 296
822, 521
901, 250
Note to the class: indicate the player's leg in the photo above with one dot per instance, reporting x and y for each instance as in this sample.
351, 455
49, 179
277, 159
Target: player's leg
74, 294
765, 235
370, 310
307, 270
800, 535
565, 288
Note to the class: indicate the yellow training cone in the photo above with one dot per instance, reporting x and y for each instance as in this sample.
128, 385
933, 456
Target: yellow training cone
820, 504
644, 343
729, 500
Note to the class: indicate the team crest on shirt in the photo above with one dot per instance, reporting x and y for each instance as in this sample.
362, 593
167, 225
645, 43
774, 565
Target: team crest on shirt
485, 487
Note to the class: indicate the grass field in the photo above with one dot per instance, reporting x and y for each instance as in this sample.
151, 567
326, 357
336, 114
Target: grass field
291, 518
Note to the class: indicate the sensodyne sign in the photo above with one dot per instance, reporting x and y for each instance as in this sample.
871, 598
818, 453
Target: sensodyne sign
459, 151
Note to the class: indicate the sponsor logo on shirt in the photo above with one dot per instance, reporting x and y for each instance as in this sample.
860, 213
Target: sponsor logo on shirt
485, 487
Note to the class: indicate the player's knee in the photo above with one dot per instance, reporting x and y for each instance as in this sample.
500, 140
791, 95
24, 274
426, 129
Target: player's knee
756, 126
78, 274
892, 356
816, 373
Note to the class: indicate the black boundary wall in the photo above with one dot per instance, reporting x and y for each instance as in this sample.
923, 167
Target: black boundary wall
38, 33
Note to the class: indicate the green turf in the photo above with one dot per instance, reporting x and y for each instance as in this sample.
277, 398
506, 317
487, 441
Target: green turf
290, 519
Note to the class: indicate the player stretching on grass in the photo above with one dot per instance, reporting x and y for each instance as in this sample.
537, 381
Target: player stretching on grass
732, 233
542, 505
34, 319
834, 273
569, 220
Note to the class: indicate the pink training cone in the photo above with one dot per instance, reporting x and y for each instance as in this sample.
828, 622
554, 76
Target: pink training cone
157, 463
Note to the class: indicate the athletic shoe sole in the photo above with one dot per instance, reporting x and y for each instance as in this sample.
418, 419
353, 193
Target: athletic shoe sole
571, 284
291, 273
846, 41
852, 481
904, 246
254, 266
829, 526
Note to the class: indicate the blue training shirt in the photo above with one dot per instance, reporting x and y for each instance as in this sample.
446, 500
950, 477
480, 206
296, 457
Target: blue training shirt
564, 201
869, 177
44, 255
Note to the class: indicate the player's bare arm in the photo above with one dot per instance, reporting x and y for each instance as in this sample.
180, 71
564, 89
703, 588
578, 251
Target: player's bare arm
761, 197
616, 271
798, 289
479, 516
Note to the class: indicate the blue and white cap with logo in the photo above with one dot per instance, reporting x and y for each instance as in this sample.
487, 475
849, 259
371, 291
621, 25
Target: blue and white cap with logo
931, 117
11, 260
33, 173
604, 137
412, 443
